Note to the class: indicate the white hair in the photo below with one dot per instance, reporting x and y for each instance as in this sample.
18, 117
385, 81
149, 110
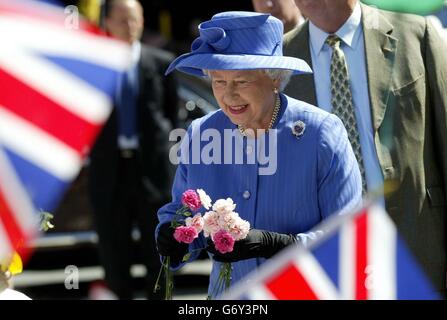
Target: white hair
283, 75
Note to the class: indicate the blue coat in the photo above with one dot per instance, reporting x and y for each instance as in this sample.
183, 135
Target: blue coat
313, 176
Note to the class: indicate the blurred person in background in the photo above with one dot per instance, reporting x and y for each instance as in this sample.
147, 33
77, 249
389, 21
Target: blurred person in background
8, 269
385, 75
130, 172
284, 10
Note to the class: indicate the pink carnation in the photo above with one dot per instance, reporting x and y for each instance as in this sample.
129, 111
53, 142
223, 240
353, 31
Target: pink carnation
196, 222
223, 206
185, 234
227, 219
191, 199
211, 225
239, 230
223, 241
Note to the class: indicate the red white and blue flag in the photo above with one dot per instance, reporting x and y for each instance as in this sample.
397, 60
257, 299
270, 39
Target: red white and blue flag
359, 257
57, 81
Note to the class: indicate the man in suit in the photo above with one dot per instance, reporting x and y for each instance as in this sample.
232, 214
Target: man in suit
130, 172
391, 69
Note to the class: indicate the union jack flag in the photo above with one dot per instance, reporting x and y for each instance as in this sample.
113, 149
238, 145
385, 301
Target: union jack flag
359, 257
58, 76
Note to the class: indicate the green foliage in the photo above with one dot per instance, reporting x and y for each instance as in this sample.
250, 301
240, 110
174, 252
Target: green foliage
409, 6
45, 221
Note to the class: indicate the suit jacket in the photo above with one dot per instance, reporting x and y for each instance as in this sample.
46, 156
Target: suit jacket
407, 77
156, 115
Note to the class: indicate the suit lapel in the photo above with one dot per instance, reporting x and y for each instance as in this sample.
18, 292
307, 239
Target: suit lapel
379, 63
304, 89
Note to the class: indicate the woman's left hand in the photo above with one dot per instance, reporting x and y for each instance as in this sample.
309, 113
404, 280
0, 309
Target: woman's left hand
257, 244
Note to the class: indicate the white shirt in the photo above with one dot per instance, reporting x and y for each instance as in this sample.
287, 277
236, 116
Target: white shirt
10, 294
353, 46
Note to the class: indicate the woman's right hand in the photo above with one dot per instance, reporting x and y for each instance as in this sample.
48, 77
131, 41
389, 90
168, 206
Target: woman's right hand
168, 246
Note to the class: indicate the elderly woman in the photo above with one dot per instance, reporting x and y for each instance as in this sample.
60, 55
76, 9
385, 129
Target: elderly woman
310, 172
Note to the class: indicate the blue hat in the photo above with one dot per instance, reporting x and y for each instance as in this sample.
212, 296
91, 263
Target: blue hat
238, 40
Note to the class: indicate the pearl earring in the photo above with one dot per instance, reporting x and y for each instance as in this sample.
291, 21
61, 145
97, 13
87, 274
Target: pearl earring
275, 90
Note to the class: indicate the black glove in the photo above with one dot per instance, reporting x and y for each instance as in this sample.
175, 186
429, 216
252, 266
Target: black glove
168, 246
257, 244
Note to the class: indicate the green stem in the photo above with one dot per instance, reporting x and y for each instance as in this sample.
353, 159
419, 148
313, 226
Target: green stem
220, 284
183, 210
215, 287
169, 283
157, 285
227, 275
223, 281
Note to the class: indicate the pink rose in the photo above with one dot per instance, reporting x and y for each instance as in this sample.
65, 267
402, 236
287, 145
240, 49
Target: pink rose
191, 199
223, 241
185, 234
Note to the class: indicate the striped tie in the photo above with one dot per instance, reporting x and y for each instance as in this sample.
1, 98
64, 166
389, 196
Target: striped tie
342, 102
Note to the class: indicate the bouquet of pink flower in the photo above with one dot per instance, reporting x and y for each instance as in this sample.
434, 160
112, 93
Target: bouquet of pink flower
192, 201
222, 224
187, 228
225, 227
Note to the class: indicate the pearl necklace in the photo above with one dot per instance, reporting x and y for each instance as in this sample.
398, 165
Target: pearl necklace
272, 121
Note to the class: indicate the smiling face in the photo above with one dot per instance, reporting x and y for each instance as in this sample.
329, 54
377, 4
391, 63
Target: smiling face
246, 96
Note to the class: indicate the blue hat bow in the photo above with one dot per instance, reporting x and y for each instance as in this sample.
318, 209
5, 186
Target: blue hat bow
214, 37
